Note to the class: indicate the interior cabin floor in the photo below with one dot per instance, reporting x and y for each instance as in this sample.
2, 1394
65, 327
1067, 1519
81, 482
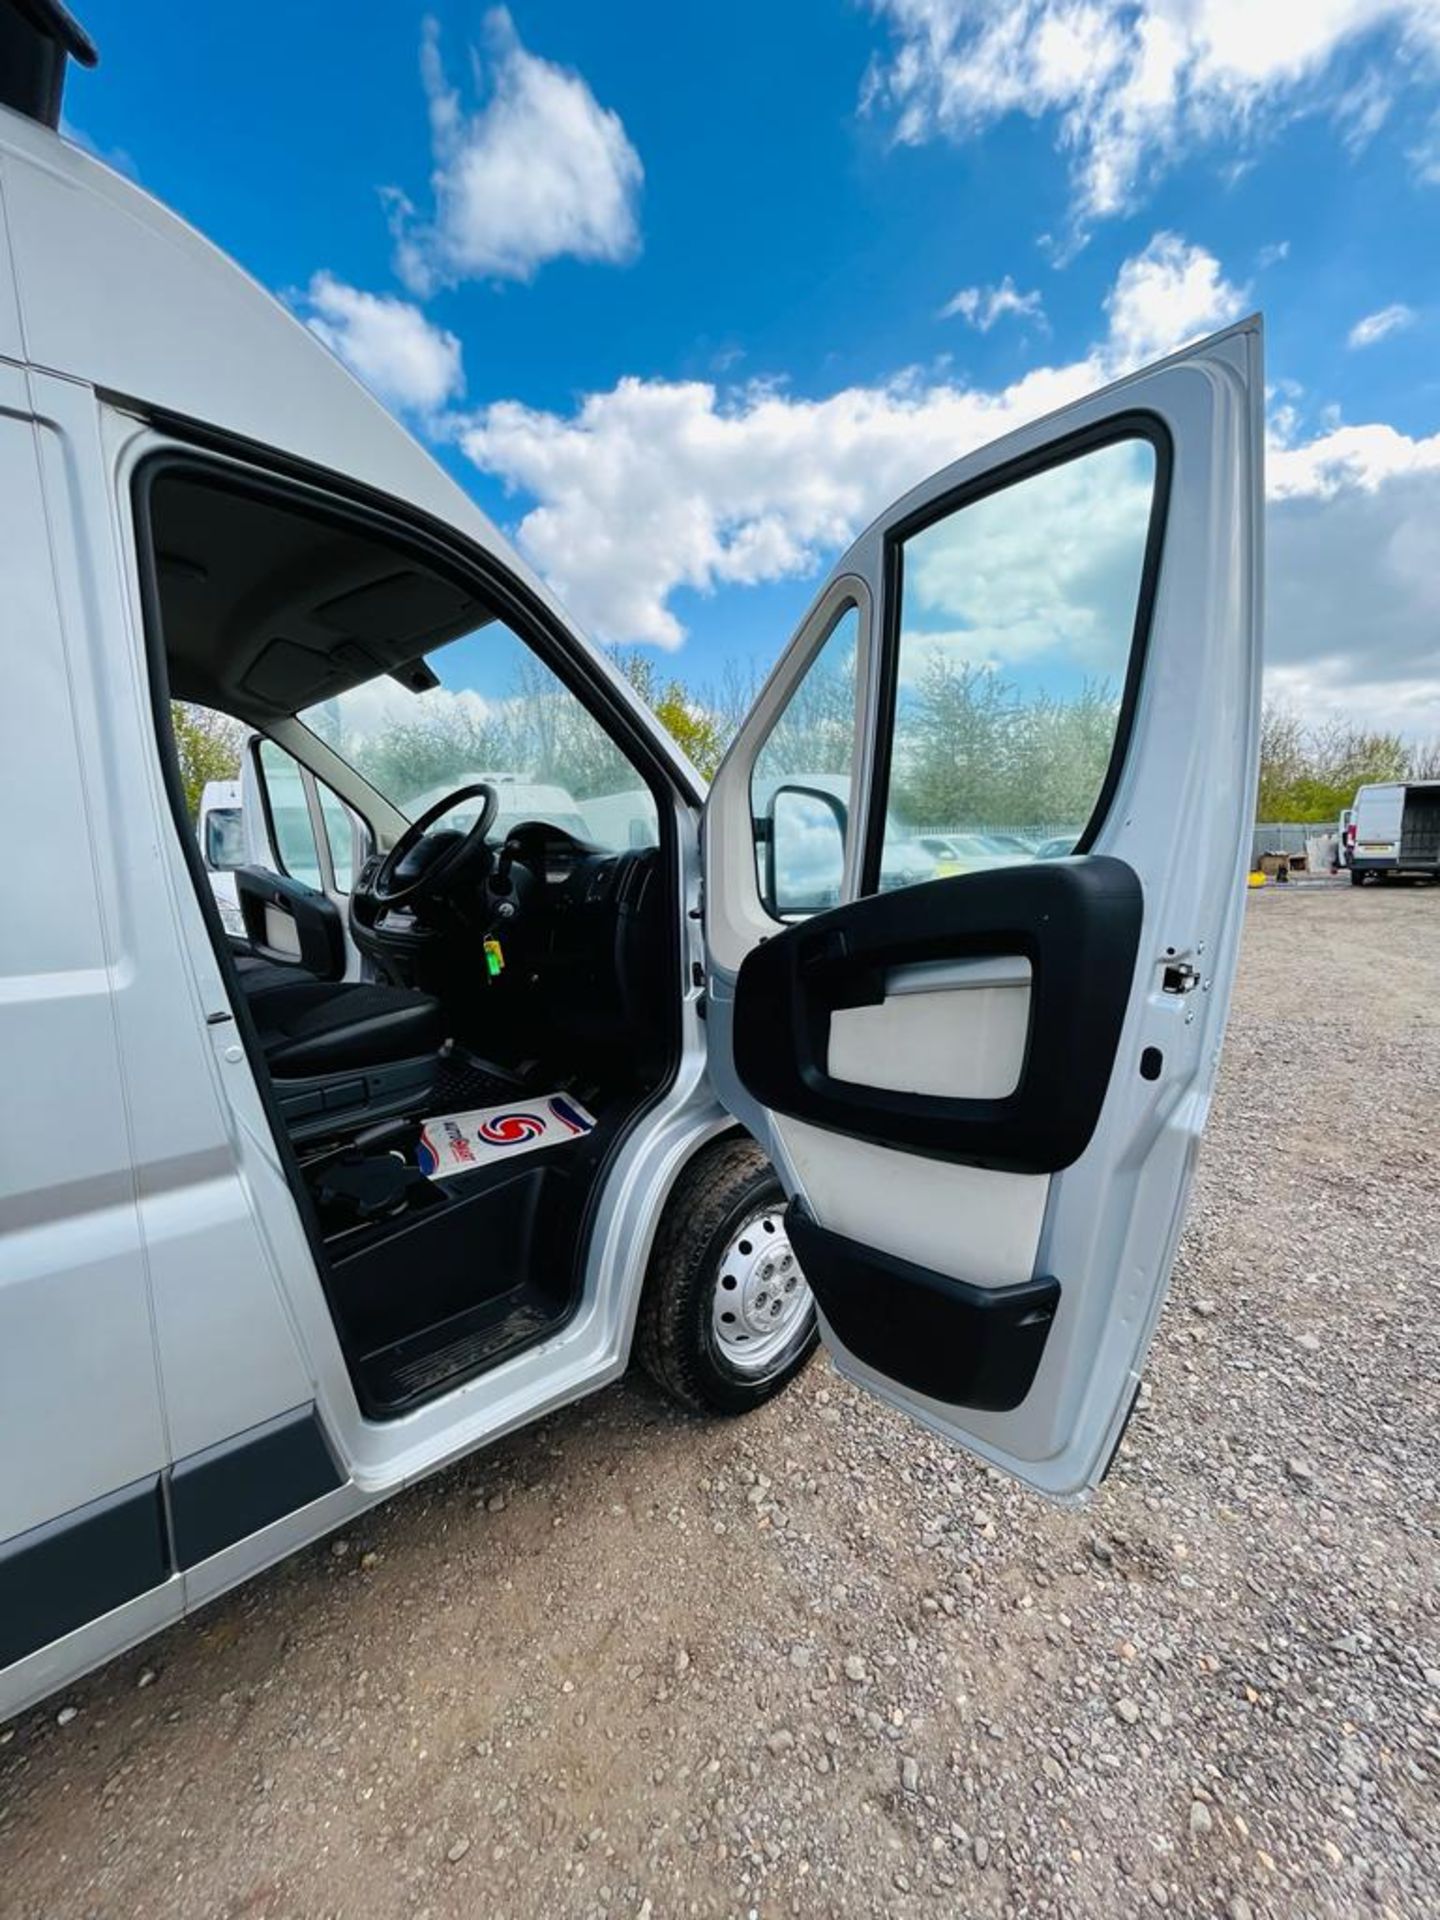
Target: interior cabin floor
447, 1275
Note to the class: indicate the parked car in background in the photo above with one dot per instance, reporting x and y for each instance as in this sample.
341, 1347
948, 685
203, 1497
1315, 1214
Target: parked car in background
805, 864
1396, 831
1059, 847
1014, 844
971, 852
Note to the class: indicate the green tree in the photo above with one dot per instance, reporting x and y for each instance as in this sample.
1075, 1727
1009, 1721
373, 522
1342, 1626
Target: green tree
698, 728
208, 745
968, 748
1311, 773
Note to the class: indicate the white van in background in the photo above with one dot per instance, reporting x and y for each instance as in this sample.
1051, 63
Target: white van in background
220, 828
1396, 830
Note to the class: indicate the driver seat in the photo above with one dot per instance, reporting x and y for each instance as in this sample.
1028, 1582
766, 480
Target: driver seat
311, 1026
342, 1052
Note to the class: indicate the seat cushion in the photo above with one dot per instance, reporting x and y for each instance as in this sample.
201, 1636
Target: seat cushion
310, 1026
258, 976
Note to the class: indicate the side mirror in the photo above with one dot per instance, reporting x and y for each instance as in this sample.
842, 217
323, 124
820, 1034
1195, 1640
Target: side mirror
223, 840
804, 829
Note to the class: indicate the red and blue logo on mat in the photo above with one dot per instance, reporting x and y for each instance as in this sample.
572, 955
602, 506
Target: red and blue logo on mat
511, 1129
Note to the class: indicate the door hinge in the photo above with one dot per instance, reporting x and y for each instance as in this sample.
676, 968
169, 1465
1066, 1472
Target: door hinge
1179, 977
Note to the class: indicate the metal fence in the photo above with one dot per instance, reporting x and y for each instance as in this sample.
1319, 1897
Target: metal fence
1315, 839
1034, 834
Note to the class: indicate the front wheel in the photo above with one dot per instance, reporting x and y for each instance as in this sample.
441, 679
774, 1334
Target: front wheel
726, 1319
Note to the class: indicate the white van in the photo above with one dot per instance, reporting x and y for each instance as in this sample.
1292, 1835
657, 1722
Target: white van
1395, 830
290, 1220
220, 829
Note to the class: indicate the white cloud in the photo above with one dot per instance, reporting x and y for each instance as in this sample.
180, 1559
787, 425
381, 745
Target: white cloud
401, 356
1169, 294
1349, 459
981, 307
1050, 570
1354, 593
1375, 326
1424, 156
1134, 83
1335, 688
539, 170
657, 485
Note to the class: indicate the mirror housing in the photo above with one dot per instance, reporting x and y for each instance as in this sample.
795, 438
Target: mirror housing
804, 835
222, 840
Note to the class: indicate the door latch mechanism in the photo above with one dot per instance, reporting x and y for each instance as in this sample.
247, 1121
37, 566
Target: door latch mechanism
1179, 977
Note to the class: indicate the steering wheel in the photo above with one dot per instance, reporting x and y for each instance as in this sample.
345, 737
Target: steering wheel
422, 864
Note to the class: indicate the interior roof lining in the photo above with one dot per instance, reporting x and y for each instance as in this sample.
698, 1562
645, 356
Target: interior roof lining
262, 618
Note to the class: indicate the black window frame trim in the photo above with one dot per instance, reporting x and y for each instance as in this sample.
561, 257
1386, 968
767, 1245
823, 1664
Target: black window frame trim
847, 602
1135, 423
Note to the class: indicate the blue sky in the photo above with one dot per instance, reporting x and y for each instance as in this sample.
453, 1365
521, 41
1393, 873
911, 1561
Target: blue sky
683, 295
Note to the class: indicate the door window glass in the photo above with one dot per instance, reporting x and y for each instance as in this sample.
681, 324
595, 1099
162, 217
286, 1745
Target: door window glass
1017, 619
801, 782
340, 832
290, 826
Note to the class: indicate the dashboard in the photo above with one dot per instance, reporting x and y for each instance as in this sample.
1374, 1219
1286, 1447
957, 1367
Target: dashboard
599, 936
586, 941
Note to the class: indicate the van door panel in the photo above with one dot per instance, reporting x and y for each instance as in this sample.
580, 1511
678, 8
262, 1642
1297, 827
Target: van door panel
988, 1180
77, 1363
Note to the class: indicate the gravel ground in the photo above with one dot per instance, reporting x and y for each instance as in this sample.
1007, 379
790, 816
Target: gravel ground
811, 1663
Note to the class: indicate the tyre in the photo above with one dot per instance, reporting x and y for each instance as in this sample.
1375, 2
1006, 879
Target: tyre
1357, 879
726, 1318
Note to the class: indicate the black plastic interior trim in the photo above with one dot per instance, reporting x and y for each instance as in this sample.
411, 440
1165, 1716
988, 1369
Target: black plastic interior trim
1137, 424
318, 924
66, 1572
955, 1342
1078, 924
225, 1492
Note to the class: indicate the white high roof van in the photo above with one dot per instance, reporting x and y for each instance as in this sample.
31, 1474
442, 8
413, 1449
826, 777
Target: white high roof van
460, 1120
1396, 831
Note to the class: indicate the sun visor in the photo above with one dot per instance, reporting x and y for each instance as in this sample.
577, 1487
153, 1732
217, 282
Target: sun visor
408, 602
285, 675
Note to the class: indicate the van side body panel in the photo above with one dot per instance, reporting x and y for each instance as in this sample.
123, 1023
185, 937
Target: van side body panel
85, 1435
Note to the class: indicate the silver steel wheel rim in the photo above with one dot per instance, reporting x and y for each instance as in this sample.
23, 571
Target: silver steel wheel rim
762, 1300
